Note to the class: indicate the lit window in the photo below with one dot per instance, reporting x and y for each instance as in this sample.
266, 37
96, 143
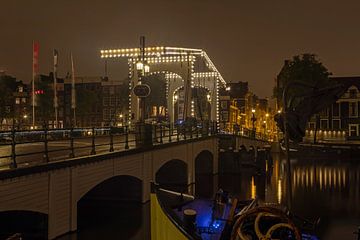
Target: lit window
352, 109
17, 100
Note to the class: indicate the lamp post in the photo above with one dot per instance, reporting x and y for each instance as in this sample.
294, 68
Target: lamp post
143, 69
253, 120
143, 136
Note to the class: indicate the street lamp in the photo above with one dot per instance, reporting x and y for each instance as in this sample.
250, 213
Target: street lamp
253, 119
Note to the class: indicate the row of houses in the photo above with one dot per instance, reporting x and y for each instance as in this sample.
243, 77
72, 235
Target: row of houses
103, 102
98, 102
240, 108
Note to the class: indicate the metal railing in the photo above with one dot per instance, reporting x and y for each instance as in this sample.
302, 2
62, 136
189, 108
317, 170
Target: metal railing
31, 147
246, 132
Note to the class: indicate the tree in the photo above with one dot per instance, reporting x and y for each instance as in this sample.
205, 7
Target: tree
7, 88
306, 69
311, 92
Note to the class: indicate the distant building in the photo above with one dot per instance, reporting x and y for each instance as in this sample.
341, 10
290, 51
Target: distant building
99, 102
14, 102
341, 121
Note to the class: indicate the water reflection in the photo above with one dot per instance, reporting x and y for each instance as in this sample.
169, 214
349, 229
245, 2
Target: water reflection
329, 189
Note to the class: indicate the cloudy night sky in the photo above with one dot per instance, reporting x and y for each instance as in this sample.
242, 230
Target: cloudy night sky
247, 40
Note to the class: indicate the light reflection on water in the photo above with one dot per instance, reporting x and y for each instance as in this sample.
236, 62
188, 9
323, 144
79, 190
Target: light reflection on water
329, 189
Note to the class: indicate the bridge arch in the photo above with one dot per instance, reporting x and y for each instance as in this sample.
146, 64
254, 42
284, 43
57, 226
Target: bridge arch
173, 175
31, 224
117, 195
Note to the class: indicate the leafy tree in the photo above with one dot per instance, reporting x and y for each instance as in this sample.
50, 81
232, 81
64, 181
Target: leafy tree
7, 88
306, 69
313, 92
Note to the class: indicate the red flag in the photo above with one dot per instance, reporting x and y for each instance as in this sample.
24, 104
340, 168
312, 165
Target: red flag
35, 58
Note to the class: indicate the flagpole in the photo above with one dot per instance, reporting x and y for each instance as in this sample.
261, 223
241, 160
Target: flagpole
35, 61
55, 90
73, 96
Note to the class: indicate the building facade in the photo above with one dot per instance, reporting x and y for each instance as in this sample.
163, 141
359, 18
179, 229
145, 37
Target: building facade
341, 121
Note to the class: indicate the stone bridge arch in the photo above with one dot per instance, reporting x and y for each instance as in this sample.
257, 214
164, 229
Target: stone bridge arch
173, 175
120, 194
29, 223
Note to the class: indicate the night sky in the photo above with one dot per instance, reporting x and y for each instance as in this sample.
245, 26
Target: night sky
247, 40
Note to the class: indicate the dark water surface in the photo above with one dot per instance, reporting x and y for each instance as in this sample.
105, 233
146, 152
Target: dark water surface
329, 189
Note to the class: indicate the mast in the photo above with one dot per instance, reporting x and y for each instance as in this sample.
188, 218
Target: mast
73, 91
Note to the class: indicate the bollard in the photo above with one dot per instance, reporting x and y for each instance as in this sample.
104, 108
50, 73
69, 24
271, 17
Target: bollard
191, 131
184, 127
46, 152
93, 142
72, 153
111, 141
177, 133
169, 132
13, 150
197, 131
161, 134
126, 137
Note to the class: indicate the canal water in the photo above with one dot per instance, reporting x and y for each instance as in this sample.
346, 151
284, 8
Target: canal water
328, 189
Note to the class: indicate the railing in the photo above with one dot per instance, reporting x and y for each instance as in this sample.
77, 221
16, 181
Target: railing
31, 147
246, 132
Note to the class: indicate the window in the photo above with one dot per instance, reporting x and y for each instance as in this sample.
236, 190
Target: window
111, 90
112, 101
324, 113
352, 93
21, 89
352, 109
105, 114
17, 101
224, 105
224, 117
336, 109
23, 100
311, 125
336, 124
324, 124
353, 130
105, 101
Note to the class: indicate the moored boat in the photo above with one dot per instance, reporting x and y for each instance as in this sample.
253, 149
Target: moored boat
180, 216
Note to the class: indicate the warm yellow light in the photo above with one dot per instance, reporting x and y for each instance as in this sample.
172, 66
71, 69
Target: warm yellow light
139, 65
267, 115
25, 116
146, 68
279, 111
253, 110
176, 97
120, 116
